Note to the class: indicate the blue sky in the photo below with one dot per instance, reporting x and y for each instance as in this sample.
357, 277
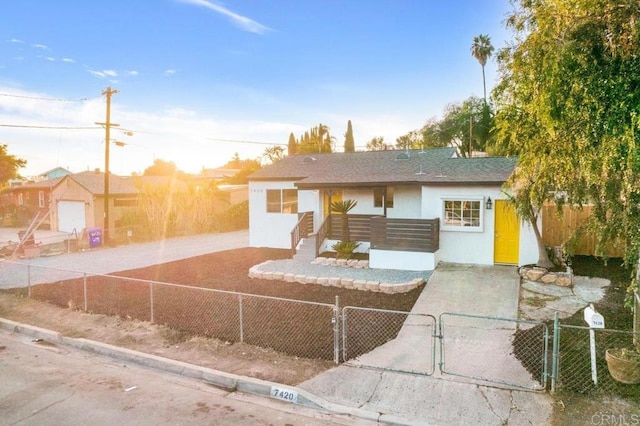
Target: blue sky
192, 72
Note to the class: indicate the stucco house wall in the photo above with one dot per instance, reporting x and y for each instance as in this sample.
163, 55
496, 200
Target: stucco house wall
271, 229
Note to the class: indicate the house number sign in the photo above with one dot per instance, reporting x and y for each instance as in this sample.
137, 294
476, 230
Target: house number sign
287, 395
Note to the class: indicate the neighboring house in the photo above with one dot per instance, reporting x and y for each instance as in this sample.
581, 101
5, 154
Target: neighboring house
56, 173
79, 199
25, 201
414, 208
234, 194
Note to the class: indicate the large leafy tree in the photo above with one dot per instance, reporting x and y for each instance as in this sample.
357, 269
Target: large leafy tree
467, 126
482, 49
377, 144
9, 165
349, 143
569, 107
273, 153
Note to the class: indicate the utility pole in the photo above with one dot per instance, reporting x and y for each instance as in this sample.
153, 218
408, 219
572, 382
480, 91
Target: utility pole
107, 141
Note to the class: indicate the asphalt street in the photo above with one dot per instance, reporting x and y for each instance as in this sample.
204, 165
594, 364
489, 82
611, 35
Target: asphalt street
43, 383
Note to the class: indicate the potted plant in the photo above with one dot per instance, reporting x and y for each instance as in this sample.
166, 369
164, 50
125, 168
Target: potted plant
624, 364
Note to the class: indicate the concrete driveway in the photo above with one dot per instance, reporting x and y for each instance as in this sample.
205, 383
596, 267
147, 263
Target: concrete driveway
473, 347
114, 259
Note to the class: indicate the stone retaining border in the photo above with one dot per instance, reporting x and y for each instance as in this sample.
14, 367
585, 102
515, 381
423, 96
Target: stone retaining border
542, 275
341, 282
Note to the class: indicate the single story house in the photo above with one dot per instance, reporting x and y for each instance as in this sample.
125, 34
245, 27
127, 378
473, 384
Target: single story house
79, 198
414, 208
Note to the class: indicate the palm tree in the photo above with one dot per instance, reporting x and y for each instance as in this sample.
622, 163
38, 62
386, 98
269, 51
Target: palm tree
481, 49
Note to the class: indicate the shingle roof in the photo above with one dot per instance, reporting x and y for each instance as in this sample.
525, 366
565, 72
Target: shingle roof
433, 166
119, 185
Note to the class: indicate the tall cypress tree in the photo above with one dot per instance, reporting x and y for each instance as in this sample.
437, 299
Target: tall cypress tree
349, 144
292, 148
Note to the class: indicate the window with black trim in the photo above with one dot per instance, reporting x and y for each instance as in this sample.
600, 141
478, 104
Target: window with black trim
462, 213
383, 197
282, 201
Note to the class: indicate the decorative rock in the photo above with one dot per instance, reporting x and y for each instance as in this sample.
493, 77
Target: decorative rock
360, 284
278, 276
347, 282
301, 279
312, 280
267, 275
341, 262
386, 288
331, 261
257, 274
549, 278
290, 278
323, 281
535, 274
351, 263
334, 281
564, 281
363, 264
373, 285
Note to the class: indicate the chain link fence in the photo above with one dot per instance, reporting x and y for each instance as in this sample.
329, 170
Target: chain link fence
510, 352
298, 328
490, 349
584, 362
371, 338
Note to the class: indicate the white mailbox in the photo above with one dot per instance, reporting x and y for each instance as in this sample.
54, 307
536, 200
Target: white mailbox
594, 319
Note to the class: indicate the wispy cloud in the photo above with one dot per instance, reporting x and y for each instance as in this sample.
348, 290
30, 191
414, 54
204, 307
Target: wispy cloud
243, 22
103, 73
15, 40
50, 58
69, 60
133, 72
40, 46
170, 72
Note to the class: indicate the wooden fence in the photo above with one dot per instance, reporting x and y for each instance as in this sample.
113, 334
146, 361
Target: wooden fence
556, 230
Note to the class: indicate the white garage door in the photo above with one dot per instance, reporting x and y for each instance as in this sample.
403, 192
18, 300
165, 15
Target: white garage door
71, 216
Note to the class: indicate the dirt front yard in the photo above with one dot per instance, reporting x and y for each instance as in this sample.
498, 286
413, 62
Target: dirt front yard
57, 309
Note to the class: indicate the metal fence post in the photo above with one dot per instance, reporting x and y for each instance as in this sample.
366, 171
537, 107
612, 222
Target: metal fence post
336, 331
84, 291
241, 319
555, 359
152, 316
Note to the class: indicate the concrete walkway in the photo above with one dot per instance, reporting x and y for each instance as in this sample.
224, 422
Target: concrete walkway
472, 347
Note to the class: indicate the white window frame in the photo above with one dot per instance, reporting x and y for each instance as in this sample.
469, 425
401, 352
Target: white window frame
20, 199
41, 199
461, 227
284, 205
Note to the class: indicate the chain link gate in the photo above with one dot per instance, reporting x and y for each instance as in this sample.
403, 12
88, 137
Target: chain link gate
509, 352
389, 340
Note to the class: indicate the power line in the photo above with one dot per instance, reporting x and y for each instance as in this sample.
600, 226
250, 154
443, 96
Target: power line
243, 141
25, 126
10, 95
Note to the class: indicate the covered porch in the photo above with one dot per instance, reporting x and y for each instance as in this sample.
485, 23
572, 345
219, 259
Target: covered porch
392, 243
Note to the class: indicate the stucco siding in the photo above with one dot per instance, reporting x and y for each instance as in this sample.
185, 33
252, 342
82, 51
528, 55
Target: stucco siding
270, 229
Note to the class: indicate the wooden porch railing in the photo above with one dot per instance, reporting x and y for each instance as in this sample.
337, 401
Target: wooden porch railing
323, 232
303, 229
421, 235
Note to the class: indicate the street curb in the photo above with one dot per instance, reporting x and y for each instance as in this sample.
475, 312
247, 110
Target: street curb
221, 379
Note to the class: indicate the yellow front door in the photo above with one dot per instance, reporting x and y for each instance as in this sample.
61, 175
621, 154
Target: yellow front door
331, 196
507, 234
